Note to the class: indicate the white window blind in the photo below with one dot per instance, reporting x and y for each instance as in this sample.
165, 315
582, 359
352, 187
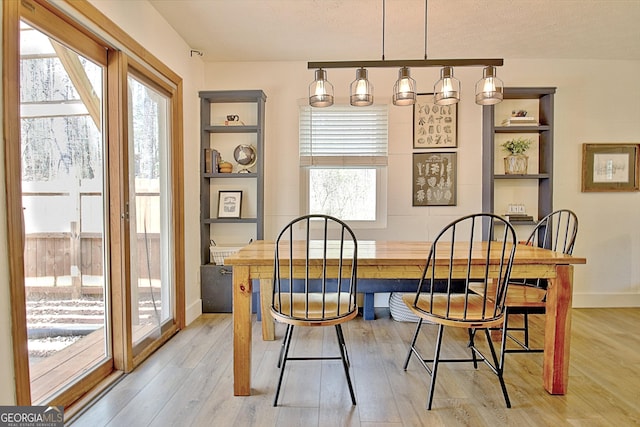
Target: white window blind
342, 135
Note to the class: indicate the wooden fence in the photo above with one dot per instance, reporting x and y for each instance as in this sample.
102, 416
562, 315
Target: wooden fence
62, 255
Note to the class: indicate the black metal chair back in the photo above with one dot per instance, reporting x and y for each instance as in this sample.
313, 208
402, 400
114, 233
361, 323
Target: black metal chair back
557, 231
303, 245
462, 236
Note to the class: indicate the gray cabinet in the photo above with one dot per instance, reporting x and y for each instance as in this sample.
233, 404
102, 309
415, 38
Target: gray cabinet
232, 130
533, 190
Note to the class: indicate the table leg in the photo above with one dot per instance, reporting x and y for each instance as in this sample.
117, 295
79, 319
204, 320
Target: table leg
557, 332
268, 325
241, 331
368, 311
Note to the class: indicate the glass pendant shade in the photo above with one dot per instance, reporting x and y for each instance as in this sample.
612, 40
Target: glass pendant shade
489, 89
361, 89
446, 91
404, 91
320, 90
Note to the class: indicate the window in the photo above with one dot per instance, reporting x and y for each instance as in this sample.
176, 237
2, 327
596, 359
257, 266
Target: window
343, 160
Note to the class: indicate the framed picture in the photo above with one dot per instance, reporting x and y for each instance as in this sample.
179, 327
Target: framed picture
229, 204
434, 126
434, 179
610, 167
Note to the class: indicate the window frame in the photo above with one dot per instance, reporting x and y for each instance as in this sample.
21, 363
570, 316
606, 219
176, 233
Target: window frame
377, 163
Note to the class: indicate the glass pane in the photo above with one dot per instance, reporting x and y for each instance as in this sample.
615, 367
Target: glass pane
64, 216
348, 194
151, 278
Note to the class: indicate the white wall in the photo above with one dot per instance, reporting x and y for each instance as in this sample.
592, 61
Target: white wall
584, 112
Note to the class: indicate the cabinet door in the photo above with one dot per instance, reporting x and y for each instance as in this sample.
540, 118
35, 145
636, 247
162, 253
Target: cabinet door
216, 289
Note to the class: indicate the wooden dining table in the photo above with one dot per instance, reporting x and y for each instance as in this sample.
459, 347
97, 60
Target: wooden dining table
406, 260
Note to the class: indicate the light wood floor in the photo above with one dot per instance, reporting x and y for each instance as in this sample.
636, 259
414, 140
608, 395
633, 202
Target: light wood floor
188, 382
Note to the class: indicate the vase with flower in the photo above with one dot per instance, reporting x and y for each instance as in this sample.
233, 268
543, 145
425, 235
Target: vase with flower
516, 163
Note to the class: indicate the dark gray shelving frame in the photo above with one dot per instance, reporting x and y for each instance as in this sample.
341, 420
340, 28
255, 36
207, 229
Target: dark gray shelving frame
544, 177
215, 280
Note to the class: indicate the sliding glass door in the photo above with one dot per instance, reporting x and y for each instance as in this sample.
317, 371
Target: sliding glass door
93, 159
63, 198
152, 298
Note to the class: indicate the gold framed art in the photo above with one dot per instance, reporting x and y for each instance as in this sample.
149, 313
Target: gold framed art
610, 167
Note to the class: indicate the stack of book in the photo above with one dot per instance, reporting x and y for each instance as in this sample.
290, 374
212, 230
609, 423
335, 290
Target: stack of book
520, 121
211, 160
519, 217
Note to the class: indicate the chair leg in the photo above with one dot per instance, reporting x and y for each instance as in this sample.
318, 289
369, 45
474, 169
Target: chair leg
434, 370
413, 343
284, 342
472, 335
503, 341
526, 330
345, 361
498, 368
284, 351
344, 345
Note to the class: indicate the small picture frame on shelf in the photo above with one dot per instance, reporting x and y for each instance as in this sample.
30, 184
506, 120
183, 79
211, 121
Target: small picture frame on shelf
434, 126
229, 204
610, 167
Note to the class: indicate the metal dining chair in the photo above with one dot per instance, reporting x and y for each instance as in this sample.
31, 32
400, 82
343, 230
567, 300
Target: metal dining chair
464, 308
320, 253
557, 231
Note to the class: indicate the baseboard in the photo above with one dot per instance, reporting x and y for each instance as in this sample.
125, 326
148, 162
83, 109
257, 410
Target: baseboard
194, 310
580, 300
602, 300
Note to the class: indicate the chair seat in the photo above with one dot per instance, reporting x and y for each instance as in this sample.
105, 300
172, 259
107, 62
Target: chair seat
518, 295
475, 318
311, 314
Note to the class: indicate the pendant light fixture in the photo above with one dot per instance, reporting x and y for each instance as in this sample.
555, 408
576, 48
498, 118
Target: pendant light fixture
321, 90
361, 89
446, 91
489, 89
404, 91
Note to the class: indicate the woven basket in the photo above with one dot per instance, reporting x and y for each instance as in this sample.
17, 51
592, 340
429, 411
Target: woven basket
219, 253
399, 310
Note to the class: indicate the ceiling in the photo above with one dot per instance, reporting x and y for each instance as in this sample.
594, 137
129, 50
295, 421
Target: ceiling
338, 30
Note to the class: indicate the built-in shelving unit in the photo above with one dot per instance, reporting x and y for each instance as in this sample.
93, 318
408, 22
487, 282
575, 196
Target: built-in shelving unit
534, 189
222, 136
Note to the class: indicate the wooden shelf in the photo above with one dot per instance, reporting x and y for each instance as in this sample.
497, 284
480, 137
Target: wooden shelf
230, 129
521, 129
527, 176
230, 220
230, 175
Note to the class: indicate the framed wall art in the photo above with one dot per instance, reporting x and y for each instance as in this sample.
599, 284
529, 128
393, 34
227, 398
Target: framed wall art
434, 179
229, 204
434, 126
610, 167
